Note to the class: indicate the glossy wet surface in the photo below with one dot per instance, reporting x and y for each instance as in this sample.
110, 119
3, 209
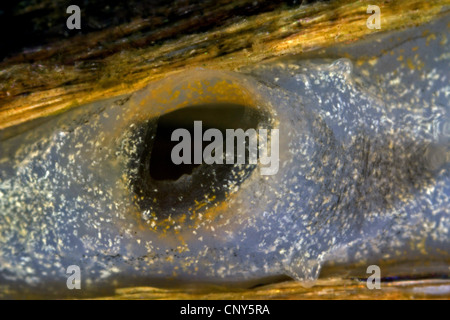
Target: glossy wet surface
364, 155
332, 288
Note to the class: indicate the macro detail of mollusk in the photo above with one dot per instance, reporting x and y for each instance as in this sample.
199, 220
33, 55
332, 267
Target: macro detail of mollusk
363, 177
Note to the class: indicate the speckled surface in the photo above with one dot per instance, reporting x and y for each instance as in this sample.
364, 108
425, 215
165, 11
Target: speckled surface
363, 179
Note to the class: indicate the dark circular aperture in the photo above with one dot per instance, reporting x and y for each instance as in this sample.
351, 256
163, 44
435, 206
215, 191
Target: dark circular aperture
165, 188
221, 117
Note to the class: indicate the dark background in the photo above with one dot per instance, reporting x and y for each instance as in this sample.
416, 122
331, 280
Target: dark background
28, 24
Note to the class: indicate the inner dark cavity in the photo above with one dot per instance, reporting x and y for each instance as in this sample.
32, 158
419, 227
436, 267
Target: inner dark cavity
167, 189
218, 116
